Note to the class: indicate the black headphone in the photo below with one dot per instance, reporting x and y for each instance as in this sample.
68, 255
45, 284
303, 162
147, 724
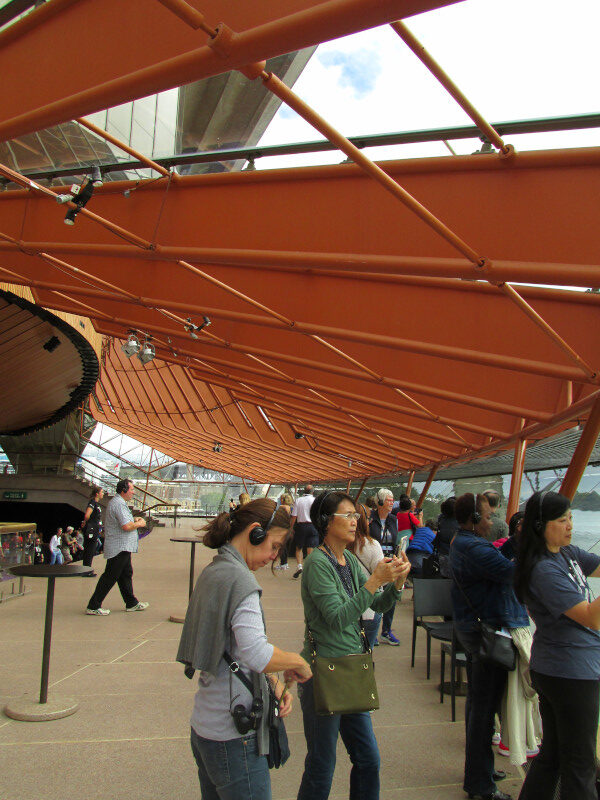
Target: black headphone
475, 516
259, 534
380, 502
324, 518
538, 524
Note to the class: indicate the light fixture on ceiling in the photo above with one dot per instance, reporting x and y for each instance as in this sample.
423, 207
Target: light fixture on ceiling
79, 195
147, 352
132, 345
217, 447
298, 435
51, 344
97, 177
193, 329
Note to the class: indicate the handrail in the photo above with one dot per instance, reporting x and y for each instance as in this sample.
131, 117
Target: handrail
511, 127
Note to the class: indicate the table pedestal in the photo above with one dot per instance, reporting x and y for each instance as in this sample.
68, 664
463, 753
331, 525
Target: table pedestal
26, 708
193, 541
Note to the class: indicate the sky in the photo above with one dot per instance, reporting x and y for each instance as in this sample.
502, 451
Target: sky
521, 59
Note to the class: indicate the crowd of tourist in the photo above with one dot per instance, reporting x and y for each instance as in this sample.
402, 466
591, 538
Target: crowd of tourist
353, 561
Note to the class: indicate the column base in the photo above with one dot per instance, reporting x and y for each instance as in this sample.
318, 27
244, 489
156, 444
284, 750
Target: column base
26, 709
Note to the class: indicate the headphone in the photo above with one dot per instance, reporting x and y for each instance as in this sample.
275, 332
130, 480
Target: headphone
324, 518
259, 534
475, 516
538, 524
380, 502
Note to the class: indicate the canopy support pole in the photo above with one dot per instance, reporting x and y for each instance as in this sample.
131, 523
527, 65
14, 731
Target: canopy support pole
582, 453
428, 483
411, 478
360, 491
517, 477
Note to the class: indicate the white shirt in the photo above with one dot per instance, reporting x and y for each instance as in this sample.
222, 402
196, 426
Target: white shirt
301, 509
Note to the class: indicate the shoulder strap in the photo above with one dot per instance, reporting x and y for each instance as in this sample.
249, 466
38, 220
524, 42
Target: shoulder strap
235, 668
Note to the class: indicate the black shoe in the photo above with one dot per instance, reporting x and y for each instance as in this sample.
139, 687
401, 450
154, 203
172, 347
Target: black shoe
499, 775
298, 572
497, 795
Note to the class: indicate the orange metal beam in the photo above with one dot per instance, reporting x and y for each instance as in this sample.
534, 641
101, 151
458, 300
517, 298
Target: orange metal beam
410, 482
125, 68
427, 59
517, 477
188, 14
125, 147
541, 323
280, 90
428, 483
582, 453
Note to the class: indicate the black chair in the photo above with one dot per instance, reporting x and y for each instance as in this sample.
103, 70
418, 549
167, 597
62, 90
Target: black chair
431, 598
458, 659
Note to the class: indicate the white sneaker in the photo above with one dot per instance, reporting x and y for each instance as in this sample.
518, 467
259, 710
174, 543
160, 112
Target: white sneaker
284, 566
98, 612
496, 738
141, 606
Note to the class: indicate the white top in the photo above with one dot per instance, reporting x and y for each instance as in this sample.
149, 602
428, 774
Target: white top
368, 558
54, 545
211, 717
116, 540
301, 508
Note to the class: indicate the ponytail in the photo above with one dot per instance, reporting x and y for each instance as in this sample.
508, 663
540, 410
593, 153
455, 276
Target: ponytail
227, 525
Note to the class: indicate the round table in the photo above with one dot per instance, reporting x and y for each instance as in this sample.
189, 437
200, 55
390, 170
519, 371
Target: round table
27, 709
193, 540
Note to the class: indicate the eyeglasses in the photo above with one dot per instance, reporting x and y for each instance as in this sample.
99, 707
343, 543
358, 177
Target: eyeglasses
350, 515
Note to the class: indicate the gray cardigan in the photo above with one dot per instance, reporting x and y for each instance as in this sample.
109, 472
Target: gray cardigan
206, 633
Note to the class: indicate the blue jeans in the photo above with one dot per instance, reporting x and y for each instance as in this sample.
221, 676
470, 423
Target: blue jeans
371, 627
231, 770
56, 558
485, 688
321, 734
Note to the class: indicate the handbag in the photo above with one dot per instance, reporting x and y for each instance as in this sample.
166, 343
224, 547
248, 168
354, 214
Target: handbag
344, 684
496, 647
279, 748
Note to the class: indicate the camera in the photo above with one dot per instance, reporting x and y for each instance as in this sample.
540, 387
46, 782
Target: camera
245, 721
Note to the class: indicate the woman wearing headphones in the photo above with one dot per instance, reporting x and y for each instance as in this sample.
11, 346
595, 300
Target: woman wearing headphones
482, 589
335, 593
551, 578
224, 631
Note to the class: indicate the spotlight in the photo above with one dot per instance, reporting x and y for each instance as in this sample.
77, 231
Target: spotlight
147, 352
70, 216
298, 435
217, 447
63, 198
80, 196
192, 329
51, 344
96, 176
131, 346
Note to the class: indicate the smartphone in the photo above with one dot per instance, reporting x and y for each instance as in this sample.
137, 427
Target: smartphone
401, 546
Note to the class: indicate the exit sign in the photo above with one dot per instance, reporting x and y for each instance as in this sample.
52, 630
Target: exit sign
14, 496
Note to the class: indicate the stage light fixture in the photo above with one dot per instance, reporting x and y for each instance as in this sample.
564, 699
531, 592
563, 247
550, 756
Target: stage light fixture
63, 198
298, 435
70, 216
97, 177
131, 346
193, 329
217, 447
147, 353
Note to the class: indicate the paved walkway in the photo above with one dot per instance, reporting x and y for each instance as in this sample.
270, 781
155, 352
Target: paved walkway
129, 739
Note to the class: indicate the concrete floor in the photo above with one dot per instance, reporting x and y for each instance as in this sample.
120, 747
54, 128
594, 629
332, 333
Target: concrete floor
129, 738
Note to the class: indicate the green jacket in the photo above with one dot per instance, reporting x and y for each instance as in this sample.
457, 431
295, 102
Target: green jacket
332, 616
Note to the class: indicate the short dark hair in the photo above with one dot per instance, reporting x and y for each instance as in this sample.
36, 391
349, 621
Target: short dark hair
513, 522
466, 504
447, 507
324, 507
123, 485
493, 497
405, 503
